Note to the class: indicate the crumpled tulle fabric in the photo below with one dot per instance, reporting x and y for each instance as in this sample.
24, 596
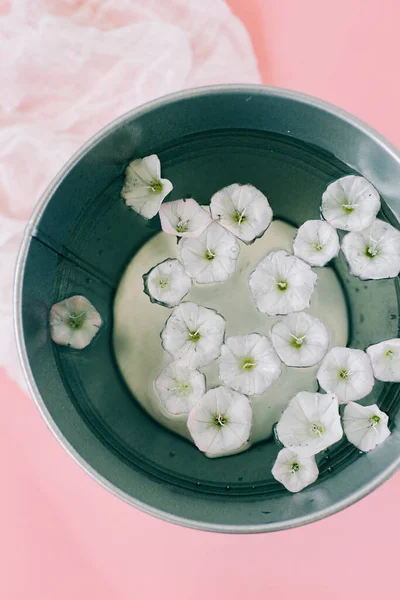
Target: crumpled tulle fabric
68, 67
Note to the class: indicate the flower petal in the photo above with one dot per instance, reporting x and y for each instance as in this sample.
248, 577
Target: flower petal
60, 332
365, 426
373, 253
350, 203
220, 422
211, 257
300, 340
282, 283
347, 373
293, 471
74, 322
184, 218
310, 423
193, 334
249, 364
243, 210
316, 243
167, 283
385, 360
179, 388
143, 189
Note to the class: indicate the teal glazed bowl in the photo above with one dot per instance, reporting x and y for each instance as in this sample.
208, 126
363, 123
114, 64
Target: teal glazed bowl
82, 236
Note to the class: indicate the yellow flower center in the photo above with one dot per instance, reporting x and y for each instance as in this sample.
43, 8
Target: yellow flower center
210, 254
220, 420
317, 429
282, 285
156, 187
248, 363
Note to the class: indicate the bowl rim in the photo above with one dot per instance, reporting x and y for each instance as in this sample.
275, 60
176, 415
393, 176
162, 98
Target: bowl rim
17, 306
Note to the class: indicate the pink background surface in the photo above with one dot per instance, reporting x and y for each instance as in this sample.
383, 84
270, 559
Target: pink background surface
63, 536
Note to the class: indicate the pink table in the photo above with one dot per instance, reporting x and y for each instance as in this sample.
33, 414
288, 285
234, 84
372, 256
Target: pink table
64, 537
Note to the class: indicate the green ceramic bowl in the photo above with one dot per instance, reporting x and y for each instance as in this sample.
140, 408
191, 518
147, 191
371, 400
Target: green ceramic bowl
81, 237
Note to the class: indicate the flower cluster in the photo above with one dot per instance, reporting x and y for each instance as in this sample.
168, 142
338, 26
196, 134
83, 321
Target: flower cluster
311, 422
220, 419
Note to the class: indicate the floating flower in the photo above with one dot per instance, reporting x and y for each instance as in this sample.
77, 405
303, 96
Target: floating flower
316, 243
373, 253
347, 373
220, 422
248, 364
211, 257
350, 203
300, 340
179, 388
144, 190
365, 426
282, 283
167, 283
310, 423
184, 218
74, 322
243, 210
293, 471
385, 360
193, 334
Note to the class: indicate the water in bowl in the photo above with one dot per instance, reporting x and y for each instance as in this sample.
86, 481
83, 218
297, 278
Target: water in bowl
138, 323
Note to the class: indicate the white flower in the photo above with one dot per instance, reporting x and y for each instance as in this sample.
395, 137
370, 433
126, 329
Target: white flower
282, 283
350, 203
167, 283
365, 426
310, 423
179, 388
184, 218
144, 190
248, 364
385, 360
74, 322
243, 210
373, 253
211, 257
220, 422
347, 373
316, 242
300, 340
293, 471
193, 334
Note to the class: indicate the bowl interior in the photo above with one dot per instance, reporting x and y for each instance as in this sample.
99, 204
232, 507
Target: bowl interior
82, 240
